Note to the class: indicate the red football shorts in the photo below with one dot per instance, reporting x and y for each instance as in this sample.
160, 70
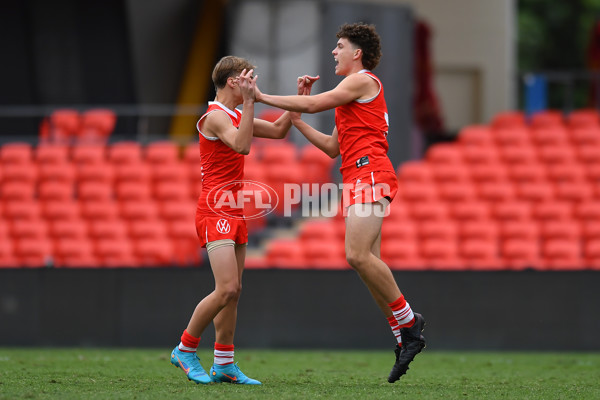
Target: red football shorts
211, 228
370, 188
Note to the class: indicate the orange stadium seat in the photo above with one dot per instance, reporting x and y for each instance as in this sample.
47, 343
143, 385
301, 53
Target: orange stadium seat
585, 136
99, 210
186, 247
324, 254
567, 173
519, 154
547, 119
252, 172
60, 172
588, 211
417, 192
285, 253
521, 254
96, 126
512, 137
438, 229
175, 172
30, 229
162, 152
441, 255
153, 252
64, 126
476, 136
444, 153
561, 230
481, 230
191, 153
589, 153
575, 192
73, 229
493, 172
480, 254
74, 252
550, 137
552, 211
115, 253
34, 252
317, 230
527, 172
280, 152
100, 172
583, 118
470, 211
509, 119
51, 154
451, 173
114, 229
496, 191
138, 210
125, 152
562, 254
16, 153
415, 171
133, 172
392, 231
592, 172
147, 229
457, 191
66, 210
22, 209
17, 191
402, 254
559, 154
172, 210
23, 173
480, 155
95, 191
88, 154
127, 191
316, 165
521, 230
167, 191
590, 230
55, 191
535, 192
429, 210
7, 254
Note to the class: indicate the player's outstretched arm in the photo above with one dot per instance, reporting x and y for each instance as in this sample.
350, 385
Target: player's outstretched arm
349, 89
279, 128
326, 143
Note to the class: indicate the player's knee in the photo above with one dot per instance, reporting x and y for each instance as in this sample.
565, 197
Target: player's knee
230, 293
356, 258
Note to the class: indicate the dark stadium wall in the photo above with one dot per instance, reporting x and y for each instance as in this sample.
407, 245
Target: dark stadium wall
505, 310
67, 52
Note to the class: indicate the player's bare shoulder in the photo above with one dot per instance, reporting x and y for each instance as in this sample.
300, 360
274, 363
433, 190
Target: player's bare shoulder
362, 85
216, 122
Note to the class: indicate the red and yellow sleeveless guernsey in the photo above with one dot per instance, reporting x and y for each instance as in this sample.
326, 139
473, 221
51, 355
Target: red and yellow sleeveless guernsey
220, 167
362, 127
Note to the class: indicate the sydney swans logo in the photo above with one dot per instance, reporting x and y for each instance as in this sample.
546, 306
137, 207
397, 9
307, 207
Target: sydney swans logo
243, 199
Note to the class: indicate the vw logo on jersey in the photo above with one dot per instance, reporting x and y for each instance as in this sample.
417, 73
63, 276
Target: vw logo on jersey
223, 226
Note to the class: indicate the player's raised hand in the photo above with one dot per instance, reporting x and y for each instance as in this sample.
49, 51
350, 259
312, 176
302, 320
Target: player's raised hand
247, 84
305, 83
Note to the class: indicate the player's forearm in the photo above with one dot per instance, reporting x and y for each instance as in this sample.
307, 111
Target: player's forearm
243, 139
304, 104
323, 142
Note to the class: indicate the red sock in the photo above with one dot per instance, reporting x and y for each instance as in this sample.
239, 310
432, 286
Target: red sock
395, 329
403, 313
189, 344
223, 354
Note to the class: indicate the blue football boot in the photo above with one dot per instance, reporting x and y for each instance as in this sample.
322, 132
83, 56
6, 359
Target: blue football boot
230, 373
190, 364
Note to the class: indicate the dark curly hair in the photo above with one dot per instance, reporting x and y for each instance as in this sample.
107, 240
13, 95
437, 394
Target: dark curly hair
366, 38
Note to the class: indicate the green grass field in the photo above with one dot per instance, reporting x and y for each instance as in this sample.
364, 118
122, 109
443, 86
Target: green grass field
147, 374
